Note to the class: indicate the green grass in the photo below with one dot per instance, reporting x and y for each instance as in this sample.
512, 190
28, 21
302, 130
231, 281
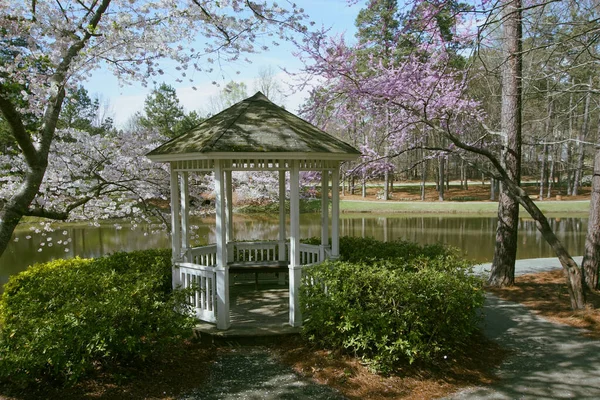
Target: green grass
475, 207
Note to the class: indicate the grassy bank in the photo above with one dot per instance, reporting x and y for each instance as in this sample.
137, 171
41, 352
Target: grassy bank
418, 207
471, 207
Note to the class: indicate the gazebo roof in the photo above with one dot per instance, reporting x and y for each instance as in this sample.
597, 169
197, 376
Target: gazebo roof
258, 127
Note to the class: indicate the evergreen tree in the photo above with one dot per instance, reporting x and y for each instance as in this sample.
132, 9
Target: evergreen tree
162, 111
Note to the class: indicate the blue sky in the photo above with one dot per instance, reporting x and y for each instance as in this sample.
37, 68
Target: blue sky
125, 101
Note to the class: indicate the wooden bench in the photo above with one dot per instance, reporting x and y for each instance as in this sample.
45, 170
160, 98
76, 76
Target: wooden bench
257, 267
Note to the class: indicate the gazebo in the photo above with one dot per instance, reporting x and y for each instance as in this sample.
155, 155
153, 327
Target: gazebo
252, 135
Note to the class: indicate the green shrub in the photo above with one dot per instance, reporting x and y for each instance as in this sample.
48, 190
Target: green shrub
63, 319
357, 249
391, 311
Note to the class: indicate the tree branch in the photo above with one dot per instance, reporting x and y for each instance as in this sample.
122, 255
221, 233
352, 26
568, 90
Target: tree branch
12, 116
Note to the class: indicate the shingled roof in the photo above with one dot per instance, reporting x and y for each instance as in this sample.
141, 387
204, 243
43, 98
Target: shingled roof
254, 126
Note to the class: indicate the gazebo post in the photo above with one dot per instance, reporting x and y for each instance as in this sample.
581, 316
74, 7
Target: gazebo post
185, 233
324, 212
222, 270
281, 250
229, 211
295, 269
175, 226
335, 212
229, 201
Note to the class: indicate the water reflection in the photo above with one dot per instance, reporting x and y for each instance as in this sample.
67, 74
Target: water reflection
475, 236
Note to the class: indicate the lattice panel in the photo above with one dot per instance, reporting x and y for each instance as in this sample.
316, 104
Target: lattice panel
258, 165
253, 164
317, 165
193, 165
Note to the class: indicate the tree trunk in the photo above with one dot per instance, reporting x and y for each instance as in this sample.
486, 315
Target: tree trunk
423, 177
572, 272
582, 137
547, 175
447, 174
551, 172
505, 252
463, 175
591, 256
386, 180
569, 175
441, 178
364, 185
16, 207
543, 170
569, 146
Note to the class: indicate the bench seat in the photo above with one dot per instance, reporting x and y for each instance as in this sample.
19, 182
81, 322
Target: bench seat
257, 267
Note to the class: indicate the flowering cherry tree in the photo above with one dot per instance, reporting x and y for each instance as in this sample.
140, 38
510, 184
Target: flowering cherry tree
50, 47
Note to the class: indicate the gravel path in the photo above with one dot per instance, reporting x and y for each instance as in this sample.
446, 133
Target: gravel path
251, 373
549, 360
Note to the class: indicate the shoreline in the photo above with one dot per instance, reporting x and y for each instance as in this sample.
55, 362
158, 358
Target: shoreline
455, 207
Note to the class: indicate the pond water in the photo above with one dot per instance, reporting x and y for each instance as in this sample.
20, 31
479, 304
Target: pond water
474, 235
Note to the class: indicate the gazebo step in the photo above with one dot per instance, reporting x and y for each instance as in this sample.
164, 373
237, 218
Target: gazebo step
245, 333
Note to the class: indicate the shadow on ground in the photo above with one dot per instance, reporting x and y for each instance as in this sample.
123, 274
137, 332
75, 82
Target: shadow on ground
549, 361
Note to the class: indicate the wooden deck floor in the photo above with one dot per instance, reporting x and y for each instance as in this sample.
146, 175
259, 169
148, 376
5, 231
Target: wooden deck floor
257, 314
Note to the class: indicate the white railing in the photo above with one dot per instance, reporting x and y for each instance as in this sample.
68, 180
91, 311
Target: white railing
199, 271
204, 255
203, 280
257, 251
310, 254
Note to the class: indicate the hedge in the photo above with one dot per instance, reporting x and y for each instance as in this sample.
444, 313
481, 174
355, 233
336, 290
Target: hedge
417, 305
64, 319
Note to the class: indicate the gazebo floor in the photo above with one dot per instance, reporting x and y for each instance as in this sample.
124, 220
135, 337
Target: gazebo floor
259, 315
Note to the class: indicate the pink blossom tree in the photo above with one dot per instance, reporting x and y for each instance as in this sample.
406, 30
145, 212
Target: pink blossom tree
423, 93
50, 47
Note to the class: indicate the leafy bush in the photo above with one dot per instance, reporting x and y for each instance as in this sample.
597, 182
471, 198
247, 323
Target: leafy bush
396, 310
63, 319
356, 249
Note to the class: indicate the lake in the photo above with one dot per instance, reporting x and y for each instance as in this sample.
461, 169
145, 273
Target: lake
474, 235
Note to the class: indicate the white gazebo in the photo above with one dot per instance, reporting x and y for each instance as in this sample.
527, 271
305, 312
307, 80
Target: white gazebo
252, 135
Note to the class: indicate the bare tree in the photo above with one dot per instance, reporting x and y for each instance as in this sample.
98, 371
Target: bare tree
267, 83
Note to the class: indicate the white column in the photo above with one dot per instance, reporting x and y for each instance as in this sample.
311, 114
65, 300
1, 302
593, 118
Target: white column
185, 212
335, 212
295, 271
175, 226
282, 253
229, 201
222, 270
324, 212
